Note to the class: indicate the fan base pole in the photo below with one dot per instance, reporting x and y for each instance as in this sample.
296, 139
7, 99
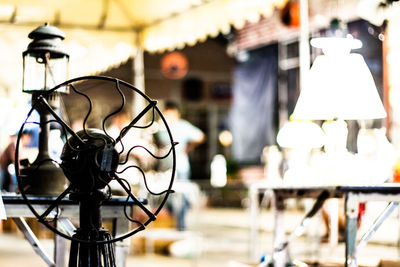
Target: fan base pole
96, 253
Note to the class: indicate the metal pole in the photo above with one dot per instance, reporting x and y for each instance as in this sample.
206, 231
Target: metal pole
377, 223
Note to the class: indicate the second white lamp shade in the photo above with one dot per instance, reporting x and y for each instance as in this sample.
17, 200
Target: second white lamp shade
339, 86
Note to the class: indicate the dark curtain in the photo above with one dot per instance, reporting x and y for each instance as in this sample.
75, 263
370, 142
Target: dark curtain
372, 53
252, 113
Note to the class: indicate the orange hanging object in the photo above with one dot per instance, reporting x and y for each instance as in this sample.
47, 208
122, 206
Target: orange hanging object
174, 65
290, 14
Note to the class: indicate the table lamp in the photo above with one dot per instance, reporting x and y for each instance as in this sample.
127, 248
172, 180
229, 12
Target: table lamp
339, 87
300, 134
45, 64
300, 137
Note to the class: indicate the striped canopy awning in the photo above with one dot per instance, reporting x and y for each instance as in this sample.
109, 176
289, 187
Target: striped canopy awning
105, 33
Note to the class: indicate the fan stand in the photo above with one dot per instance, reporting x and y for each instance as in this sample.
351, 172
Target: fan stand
95, 249
91, 254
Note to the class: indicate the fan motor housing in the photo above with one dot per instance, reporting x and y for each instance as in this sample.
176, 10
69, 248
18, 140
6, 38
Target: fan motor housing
83, 163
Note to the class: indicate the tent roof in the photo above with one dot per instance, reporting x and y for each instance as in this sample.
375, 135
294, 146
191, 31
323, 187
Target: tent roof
105, 33
162, 24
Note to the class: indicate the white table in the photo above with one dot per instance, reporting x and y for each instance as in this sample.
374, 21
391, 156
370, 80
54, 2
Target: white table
353, 196
280, 193
18, 210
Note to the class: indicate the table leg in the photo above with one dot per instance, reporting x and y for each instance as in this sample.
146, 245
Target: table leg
121, 247
59, 250
32, 239
351, 210
254, 224
398, 238
60, 242
279, 257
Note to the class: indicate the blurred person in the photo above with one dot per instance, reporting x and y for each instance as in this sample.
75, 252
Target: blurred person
138, 156
341, 220
186, 134
7, 178
77, 125
188, 137
56, 143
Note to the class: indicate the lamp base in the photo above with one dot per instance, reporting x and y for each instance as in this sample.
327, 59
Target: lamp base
336, 135
47, 180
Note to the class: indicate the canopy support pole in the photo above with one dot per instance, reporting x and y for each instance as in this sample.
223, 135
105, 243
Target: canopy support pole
138, 75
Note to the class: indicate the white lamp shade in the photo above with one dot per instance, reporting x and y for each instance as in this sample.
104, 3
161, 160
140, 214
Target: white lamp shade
339, 86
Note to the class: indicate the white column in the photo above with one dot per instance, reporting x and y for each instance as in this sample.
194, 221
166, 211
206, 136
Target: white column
138, 103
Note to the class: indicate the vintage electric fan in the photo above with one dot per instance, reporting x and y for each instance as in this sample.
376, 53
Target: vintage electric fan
93, 158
